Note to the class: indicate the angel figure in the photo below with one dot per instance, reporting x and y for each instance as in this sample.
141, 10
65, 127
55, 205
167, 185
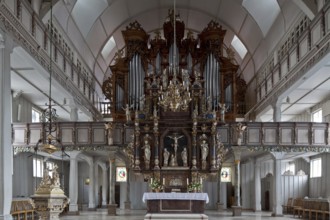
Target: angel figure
240, 128
223, 109
127, 113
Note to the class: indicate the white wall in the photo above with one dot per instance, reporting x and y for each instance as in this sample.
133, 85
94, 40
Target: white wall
320, 187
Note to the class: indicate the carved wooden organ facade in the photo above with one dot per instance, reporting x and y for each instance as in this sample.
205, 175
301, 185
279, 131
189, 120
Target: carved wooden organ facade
175, 129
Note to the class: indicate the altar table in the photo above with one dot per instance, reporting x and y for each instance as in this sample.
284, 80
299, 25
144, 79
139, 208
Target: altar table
175, 202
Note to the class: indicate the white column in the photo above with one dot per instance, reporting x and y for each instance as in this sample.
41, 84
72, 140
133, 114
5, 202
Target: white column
277, 112
96, 184
6, 154
74, 114
73, 183
223, 198
257, 186
104, 185
277, 186
237, 156
91, 195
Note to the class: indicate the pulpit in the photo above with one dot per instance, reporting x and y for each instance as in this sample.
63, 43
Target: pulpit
175, 202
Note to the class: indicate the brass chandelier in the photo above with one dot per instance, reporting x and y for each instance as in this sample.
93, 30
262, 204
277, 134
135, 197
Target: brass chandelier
176, 95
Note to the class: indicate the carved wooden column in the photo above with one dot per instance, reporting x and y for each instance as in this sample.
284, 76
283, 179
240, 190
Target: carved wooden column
156, 143
137, 145
194, 145
213, 146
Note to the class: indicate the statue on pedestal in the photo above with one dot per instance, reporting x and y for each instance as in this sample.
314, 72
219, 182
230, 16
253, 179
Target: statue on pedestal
147, 152
204, 153
240, 129
166, 156
184, 157
108, 128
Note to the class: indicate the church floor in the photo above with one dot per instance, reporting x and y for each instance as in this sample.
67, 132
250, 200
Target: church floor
139, 215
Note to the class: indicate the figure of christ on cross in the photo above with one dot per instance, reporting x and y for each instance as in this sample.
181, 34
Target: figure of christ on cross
175, 145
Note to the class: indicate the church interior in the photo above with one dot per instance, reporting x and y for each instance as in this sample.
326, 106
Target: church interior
179, 108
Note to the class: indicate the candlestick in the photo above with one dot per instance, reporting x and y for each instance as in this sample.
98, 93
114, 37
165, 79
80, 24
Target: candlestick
163, 181
151, 180
187, 181
201, 180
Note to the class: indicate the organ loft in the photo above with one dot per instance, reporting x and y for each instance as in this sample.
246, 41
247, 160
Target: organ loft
175, 89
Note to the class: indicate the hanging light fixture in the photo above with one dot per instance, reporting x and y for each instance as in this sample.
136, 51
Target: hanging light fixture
49, 115
176, 96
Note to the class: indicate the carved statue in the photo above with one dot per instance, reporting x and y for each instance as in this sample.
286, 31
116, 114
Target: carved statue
223, 109
46, 179
108, 128
175, 144
166, 156
56, 177
184, 157
173, 160
127, 113
147, 151
204, 150
240, 129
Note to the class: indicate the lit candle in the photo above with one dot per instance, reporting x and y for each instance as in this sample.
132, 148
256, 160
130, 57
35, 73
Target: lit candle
187, 181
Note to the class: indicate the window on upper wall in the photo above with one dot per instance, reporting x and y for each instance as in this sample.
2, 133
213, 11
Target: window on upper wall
35, 116
38, 167
316, 167
317, 116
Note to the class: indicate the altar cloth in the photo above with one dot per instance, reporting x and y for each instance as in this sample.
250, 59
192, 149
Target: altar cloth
175, 196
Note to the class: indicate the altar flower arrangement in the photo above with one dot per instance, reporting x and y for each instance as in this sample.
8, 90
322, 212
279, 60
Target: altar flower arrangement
156, 185
194, 187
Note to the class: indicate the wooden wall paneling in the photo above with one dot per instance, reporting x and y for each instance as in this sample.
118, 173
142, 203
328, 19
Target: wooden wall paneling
35, 135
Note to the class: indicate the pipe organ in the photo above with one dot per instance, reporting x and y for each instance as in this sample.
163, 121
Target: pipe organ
175, 92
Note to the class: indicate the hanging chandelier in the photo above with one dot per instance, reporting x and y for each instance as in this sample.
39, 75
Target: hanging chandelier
49, 115
176, 96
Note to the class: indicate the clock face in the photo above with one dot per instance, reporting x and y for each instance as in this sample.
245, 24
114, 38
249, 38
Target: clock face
121, 174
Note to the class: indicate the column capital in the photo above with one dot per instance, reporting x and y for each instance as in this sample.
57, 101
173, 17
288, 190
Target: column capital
237, 151
73, 154
278, 155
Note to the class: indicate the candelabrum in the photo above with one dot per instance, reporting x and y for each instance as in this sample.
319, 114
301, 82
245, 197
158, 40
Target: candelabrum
176, 96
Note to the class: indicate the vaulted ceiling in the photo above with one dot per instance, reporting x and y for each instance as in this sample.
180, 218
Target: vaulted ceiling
95, 26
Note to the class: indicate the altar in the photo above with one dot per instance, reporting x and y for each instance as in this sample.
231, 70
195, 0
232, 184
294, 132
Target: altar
175, 202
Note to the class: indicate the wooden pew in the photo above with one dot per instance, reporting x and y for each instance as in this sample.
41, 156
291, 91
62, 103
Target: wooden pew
288, 207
